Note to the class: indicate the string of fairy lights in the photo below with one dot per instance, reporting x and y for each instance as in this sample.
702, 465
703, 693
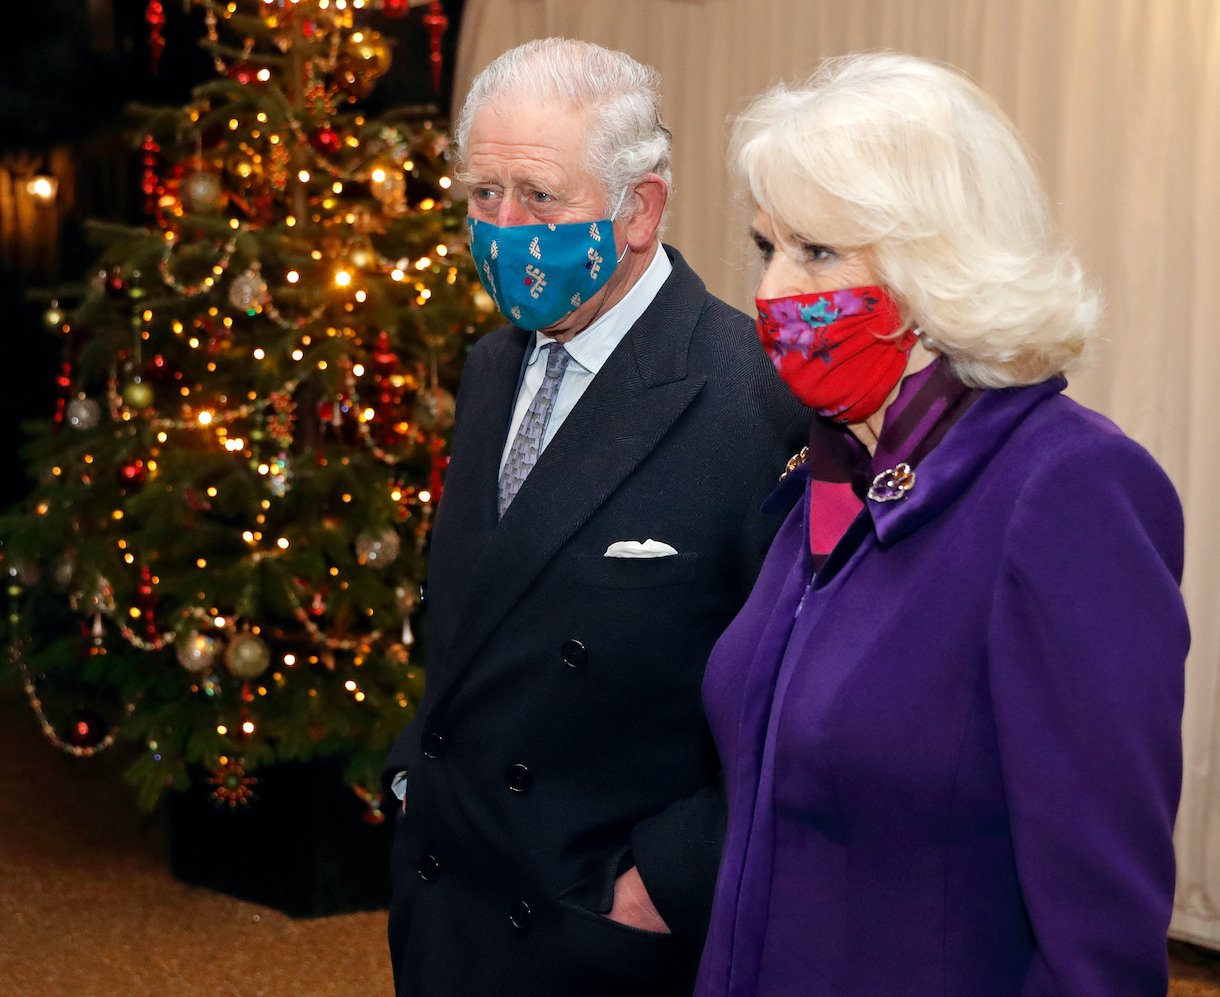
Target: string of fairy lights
248, 328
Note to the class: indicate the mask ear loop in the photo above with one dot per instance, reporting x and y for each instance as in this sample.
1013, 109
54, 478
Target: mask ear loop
614, 214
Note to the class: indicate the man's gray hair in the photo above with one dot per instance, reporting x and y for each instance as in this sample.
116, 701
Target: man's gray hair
626, 137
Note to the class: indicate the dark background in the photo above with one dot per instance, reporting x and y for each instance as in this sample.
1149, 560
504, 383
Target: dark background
68, 68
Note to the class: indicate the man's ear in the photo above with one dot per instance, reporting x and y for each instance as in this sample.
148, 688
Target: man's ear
648, 197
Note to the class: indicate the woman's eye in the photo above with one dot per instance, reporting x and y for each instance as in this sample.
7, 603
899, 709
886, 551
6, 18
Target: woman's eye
765, 248
816, 254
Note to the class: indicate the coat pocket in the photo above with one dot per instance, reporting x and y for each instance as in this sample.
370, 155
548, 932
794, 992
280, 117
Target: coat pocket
598, 948
637, 572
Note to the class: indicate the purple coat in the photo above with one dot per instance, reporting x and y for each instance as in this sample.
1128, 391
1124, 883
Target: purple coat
953, 758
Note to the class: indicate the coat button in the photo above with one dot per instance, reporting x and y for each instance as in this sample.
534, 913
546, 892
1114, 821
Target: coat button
429, 868
518, 778
574, 654
521, 916
434, 744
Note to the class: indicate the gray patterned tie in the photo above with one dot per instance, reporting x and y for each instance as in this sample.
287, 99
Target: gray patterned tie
528, 442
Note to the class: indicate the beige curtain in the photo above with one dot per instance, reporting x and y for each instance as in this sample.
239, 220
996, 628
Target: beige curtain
1120, 102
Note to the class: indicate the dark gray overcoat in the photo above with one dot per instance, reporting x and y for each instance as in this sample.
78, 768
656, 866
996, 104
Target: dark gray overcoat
561, 737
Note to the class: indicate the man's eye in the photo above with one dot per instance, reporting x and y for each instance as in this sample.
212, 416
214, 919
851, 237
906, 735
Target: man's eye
483, 193
540, 197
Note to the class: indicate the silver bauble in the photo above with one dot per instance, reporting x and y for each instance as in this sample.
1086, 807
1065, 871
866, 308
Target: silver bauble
376, 550
247, 656
196, 651
82, 413
249, 292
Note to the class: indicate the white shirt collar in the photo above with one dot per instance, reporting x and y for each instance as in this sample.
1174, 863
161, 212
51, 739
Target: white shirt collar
591, 347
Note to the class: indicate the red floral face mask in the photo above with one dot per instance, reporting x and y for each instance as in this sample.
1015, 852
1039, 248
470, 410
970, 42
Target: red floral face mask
829, 348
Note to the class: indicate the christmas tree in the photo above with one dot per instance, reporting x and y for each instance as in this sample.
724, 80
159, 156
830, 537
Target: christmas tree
224, 552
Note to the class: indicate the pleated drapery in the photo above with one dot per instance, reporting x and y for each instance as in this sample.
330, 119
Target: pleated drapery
1119, 101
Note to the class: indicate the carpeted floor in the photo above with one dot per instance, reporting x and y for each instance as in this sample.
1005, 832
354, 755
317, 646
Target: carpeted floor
88, 907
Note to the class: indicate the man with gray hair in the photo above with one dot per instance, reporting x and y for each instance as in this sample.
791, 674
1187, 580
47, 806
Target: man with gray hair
561, 816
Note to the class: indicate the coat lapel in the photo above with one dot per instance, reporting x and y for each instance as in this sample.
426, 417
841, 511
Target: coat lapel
632, 403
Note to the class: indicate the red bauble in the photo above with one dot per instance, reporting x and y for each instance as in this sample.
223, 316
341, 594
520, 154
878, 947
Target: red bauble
132, 474
243, 72
395, 8
86, 729
326, 139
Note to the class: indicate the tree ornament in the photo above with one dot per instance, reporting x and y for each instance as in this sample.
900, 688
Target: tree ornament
434, 409
232, 786
115, 282
132, 474
248, 292
435, 22
378, 549
86, 729
138, 394
326, 139
150, 183
388, 184
365, 56
155, 16
395, 8
243, 73
196, 651
247, 656
203, 193
53, 317
82, 413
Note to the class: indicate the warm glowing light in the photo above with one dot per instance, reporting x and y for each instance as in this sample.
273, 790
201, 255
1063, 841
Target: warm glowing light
358, 370
220, 622
347, 497
396, 495
321, 365
396, 274
264, 75
248, 727
378, 175
116, 515
298, 355
42, 188
303, 176
343, 278
368, 415
162, 437
205, 418
425, 496
282, 543
129, 558
427, 204
423, 263
259, 353
361, 295
292, 276
248, 537
425, 294
201, 562
445, 183
290, 221
222, 730
337, 187
290, 660
349, 685
442, 250
212, 491
133, 613
264, 469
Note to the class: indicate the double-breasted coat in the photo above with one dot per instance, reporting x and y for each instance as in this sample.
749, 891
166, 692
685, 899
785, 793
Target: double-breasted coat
561, 737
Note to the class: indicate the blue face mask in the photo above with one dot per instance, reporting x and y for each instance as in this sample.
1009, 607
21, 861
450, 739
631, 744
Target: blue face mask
537, 274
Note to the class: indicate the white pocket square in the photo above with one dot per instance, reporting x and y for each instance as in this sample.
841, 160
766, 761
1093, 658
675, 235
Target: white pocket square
634, 548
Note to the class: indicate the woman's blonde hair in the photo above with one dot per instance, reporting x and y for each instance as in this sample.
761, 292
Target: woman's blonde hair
911, 161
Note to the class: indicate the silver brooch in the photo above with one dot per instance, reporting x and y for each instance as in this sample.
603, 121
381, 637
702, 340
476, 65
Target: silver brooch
891, 485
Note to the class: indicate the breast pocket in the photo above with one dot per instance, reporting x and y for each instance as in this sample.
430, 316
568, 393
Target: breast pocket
638, 572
